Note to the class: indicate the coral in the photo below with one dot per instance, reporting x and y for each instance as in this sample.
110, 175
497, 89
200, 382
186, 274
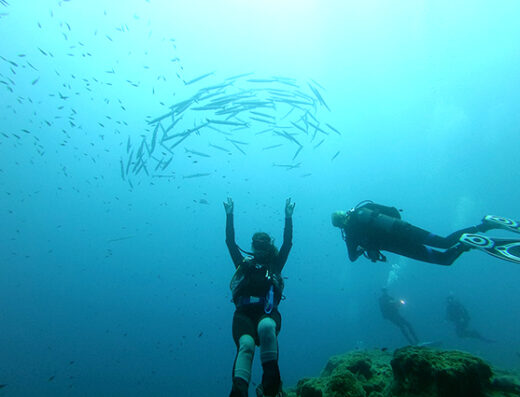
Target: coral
409, 372
419, 371
344, 384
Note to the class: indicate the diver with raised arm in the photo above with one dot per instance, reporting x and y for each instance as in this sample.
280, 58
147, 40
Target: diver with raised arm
257, 287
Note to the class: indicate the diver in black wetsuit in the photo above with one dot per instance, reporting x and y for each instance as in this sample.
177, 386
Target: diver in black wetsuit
369, 228
257, 290
459, 316
390, 311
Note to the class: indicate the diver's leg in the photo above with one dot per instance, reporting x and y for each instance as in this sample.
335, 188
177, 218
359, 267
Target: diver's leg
406, 232
413, 336
243, 334
269, 356
242, 367
405, 333
426, 254
460, 331
471, 333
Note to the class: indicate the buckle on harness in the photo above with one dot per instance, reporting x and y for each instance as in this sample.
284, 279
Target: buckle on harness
250, 300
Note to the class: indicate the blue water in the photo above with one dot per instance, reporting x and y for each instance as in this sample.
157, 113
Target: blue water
116, 283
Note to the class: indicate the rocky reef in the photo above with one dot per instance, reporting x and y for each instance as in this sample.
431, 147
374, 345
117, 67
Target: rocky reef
408, 372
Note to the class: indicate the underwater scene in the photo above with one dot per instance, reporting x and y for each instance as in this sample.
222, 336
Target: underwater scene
259, 198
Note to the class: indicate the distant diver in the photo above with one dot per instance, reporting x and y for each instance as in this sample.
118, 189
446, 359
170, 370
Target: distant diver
256, 288
459, 316
370, 228
390, 311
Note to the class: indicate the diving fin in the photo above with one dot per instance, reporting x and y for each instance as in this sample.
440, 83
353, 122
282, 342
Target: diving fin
503, 248
501, 222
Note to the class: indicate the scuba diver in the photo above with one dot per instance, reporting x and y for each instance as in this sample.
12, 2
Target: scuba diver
370, 228
458, 315
257, 287
390, 311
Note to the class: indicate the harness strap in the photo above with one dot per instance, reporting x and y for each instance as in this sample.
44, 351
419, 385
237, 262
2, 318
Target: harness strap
266, 301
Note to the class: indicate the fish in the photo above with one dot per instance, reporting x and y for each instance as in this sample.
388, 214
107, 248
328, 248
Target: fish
239, 76
219, 131
122, 170
262, 120
11, 62
196, 153
287, 166
163, 176
299, 127
261, 80
333, 129
232, 97
154, 136
318, 84
129, 162
198, 175
235, 141
159, 163
319, 143
198, 78
272, 146
318, 96
171, 126
238, 147
224, 122
263, 131
179, 141
263, 114
317, 128
167, 163
3, 385
291, 138
219, 147
297, 152
336, 155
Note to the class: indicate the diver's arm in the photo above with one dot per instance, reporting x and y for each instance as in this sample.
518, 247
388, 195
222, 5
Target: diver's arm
236, 256
287, 234
287, 243
354, 251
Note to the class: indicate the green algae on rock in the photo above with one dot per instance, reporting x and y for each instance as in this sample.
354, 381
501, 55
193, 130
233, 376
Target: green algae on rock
409, 372
419, 371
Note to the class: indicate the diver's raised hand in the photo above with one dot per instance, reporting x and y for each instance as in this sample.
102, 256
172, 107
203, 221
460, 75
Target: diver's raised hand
228, 206
289, 208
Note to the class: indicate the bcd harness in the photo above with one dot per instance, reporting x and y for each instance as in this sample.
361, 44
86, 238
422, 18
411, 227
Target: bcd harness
374, 210
254, 284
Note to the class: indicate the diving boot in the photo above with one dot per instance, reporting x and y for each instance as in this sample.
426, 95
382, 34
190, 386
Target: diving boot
271, 383
260, 392
240, 388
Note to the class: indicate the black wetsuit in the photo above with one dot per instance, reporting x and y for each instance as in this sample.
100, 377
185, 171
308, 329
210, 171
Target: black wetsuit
459, 316
390, 311
374, 227
247, 317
